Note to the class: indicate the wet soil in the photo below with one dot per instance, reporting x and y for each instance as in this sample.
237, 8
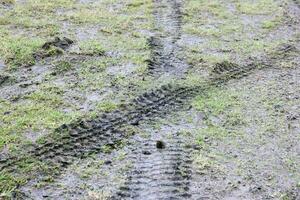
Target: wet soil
165, 52
147, 148
253, 164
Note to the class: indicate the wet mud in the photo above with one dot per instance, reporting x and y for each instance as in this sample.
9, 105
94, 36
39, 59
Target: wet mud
159, 172
54, 47
165, 57
162, 164
86, 137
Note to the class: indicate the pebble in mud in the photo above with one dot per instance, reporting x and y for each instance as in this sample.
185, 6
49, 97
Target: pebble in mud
146, 152
160, 144
108, 162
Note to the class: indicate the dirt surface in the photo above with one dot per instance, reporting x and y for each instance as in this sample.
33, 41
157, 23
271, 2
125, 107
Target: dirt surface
162, 99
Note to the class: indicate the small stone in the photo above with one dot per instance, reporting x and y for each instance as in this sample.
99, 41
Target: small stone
160, 144
146, 152
196, 147
135, 123
107, 162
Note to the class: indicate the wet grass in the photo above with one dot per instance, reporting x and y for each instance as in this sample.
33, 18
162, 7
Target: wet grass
219, 116
230, 30
91, 47
117, 40
10, 181
263, 7
241, 118
40, 112
62, 66
18, 51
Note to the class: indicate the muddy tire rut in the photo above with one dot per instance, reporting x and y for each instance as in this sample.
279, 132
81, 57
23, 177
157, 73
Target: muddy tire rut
86, 137
158, 173
164, 59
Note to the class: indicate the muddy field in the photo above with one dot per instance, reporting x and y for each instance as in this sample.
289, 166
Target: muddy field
150, 99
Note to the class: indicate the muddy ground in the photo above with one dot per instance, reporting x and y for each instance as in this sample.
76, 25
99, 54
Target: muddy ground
150, 99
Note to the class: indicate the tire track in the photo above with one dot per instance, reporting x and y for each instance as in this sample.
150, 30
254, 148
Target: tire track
85, 137
158, 173
165, 173
82, 138
164, 59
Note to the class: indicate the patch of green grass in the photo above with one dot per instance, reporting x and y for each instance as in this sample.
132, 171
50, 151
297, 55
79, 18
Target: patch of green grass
98, 65
262, 7
215, 102
47, 94
62, 66
52, 51
253, 47
202, 31
44, 19
213, 7
24, 171
41, 111
198, 56
125, 44
202, 162
18, 51
222, 115
8, 183
106, 106
212, 132
193, 80
223, 31
270, 24
91, 47
216, 30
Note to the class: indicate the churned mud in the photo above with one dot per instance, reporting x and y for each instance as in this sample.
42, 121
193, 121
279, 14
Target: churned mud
210, 110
